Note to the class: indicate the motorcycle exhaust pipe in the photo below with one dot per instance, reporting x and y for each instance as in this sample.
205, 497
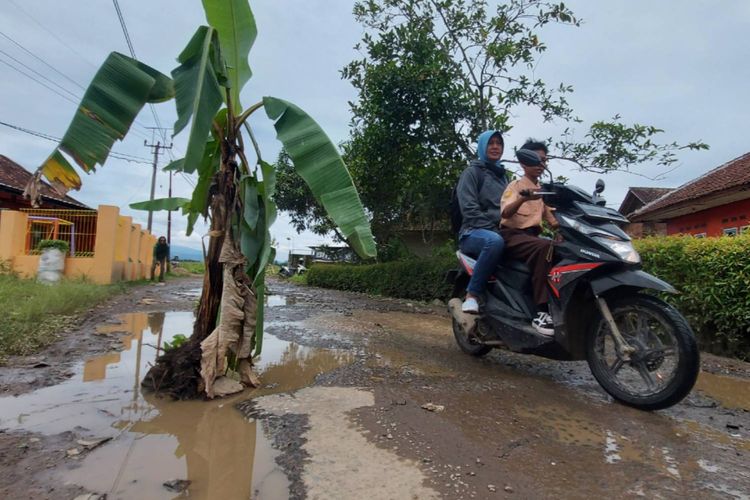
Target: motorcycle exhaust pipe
467, 322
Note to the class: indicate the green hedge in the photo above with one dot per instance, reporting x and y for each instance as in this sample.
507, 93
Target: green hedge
712, 275
414, 279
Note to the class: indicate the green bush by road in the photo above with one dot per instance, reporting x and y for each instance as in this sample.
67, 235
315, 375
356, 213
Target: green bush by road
712, 275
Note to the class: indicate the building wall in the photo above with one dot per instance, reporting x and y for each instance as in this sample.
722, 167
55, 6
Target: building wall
122, 250
714, 221
644, 229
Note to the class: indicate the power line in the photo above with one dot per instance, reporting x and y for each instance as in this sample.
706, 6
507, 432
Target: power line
128, 40
53, 34
43, 61
40, 83
114, 154
124, 29
37, 73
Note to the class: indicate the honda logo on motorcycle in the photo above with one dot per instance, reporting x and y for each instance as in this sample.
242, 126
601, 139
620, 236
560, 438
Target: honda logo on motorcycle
590, 253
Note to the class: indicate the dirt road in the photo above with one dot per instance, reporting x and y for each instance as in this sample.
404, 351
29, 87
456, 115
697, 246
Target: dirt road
367, 397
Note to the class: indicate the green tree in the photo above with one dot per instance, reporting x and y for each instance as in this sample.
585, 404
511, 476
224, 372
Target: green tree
434, 74
235, 194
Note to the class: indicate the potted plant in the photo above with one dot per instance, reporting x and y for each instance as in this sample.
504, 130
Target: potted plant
52, 260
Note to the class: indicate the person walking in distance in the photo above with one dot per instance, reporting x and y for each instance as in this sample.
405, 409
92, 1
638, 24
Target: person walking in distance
161, 256
479, 189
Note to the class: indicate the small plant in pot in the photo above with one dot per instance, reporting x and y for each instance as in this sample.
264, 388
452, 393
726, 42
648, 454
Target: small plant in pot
52, 260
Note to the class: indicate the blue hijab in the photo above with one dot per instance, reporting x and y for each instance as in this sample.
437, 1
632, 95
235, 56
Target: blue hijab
482, 143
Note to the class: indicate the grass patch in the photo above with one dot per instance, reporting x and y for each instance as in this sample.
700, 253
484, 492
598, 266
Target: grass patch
192, 267
300, 279
36, 314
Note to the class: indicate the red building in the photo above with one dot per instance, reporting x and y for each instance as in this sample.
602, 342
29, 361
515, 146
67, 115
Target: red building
715, 204
13, 179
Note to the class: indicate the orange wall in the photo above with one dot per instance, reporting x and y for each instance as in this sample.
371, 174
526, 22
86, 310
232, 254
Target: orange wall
122, 250
712, 221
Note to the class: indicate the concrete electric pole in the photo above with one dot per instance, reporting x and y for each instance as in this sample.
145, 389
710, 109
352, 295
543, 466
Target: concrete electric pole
156, 149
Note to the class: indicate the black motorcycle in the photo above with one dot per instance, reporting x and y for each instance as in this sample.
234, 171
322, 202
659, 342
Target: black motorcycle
639, 348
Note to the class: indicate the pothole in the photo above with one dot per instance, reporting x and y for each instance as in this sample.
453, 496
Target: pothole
155, 439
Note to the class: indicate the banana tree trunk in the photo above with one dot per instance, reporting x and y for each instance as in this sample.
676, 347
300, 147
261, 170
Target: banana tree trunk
189, 370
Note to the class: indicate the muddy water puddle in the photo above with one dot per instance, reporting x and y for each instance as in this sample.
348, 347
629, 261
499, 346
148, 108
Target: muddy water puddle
155, 439
730, 392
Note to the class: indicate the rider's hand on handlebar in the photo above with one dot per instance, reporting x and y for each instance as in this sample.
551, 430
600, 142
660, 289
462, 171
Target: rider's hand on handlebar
529, 194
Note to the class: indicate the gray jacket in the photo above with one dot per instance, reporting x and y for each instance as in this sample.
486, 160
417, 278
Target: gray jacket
480, 210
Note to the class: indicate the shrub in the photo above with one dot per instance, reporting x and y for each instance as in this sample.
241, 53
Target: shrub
61, 245
415, 279
712, 275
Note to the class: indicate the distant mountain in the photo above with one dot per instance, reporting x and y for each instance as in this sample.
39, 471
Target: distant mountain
186, 253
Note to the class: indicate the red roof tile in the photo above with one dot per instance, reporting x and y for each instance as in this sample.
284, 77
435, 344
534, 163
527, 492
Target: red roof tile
13, 176
649, 194
732, 175
639, 196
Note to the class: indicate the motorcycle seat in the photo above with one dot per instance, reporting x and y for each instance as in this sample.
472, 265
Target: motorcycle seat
514, 265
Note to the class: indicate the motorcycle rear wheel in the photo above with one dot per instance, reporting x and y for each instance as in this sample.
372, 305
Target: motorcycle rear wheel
469, 345
665, 364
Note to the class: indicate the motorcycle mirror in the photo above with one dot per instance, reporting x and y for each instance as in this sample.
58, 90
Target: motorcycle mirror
599, 186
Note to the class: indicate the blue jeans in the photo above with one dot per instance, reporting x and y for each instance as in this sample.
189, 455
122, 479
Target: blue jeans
487, 247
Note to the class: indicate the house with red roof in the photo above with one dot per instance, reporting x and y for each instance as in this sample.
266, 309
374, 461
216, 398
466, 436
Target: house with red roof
636, 198
13, 180
714, 204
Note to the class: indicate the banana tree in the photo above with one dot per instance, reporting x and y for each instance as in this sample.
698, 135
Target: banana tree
232, 192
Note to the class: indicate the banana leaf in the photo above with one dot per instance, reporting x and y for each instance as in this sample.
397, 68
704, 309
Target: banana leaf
318, 162
198, 85
235, 24
112, 101
175, 166
161, 204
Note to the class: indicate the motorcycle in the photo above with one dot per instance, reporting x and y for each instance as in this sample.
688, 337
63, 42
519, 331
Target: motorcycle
640, 349
288, 271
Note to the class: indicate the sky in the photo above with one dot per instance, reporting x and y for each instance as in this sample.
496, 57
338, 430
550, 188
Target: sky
680, 65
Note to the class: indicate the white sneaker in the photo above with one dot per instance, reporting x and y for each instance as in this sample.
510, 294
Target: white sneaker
470, 306
543, 324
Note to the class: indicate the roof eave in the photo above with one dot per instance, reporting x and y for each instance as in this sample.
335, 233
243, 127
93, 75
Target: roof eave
694, 205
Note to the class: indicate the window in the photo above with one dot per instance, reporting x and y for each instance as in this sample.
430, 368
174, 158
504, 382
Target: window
744, 229
730, 231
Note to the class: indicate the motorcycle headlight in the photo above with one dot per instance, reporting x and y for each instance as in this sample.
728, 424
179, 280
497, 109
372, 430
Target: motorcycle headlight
623, 249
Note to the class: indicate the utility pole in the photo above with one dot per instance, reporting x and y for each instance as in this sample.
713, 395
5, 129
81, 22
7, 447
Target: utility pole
156, 148
169, 225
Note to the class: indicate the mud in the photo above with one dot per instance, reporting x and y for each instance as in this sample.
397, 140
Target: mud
342, 414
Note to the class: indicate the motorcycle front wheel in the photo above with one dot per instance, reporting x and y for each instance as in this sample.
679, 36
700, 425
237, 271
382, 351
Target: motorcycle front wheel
665, 364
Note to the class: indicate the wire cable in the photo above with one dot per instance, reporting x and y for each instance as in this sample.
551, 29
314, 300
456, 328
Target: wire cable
129, 41
20, 46
53, 34
114, 154
52, 89
38, 73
